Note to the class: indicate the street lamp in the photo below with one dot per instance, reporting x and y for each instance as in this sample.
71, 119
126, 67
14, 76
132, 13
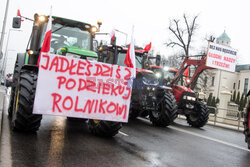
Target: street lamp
123, 34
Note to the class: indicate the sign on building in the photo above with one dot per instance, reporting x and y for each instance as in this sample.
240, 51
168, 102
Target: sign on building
81, 88
221, 57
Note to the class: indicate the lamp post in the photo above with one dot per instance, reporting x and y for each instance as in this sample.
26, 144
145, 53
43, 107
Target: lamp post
3, 29
123, 34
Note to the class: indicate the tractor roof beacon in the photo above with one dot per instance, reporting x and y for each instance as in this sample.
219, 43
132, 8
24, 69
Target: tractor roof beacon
69, 38
148, 97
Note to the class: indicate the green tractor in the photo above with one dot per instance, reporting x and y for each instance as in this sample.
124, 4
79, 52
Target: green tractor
69, 38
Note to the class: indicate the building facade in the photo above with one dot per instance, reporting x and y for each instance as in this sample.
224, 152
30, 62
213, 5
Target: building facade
222, 84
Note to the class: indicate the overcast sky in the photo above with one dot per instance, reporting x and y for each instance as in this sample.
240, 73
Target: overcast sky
150, 18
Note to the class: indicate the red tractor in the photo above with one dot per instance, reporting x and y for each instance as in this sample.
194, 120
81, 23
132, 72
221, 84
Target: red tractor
189, 104
247, 123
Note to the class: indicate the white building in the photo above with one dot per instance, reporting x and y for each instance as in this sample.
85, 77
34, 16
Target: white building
222, 84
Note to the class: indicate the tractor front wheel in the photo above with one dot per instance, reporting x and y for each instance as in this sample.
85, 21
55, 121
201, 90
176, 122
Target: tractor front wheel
104, 128
166, 113
200, 116
22, 117
18, 65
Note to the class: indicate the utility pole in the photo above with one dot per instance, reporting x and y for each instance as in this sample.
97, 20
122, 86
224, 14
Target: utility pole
4, 26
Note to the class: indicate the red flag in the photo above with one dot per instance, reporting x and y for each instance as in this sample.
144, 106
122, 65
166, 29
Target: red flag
112, 35
19, 14
47, 39
130, 56
186, 73
147, 47
128, 60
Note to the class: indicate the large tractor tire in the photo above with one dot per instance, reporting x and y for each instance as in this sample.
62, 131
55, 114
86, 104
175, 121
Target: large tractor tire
18, 65
22, 117
166, 113
104, 128
200, 118
247, 125
133, 113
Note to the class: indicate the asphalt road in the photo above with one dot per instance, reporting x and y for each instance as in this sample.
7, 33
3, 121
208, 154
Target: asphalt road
63, 143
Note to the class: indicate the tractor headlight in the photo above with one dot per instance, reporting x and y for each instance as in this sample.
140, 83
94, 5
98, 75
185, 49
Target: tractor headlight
146, 81
93, 29
42, 18
158, 75
189, 98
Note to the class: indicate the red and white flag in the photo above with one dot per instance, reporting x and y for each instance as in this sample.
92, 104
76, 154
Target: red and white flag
112, 35
147, 47
19, 14
130, 56
186, 73
47, 39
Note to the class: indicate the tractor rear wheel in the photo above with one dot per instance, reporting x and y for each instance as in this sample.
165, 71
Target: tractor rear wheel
22, 117
200, 117
166, 113
18, 65
104, 128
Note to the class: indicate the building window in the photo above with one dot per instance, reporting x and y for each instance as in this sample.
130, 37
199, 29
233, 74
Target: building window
234, 86
239, 85
212, 81
246, 86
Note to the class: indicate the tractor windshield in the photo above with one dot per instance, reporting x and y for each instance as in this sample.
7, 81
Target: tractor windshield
121, 58
68, 36
165, 74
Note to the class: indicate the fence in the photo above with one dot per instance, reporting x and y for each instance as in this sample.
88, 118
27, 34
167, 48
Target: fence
235, 117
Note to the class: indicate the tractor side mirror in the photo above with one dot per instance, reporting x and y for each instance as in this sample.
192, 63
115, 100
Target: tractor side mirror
16, 22
158, 60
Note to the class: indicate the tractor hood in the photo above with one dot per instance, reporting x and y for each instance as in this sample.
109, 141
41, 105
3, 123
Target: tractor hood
143, 71
183, 88
77, 50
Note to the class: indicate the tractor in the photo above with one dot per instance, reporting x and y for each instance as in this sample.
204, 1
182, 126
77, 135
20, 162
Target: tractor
69, 38
188, 101
148, 97
246, 123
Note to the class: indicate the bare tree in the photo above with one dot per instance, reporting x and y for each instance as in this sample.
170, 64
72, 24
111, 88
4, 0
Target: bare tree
174, 60
183, 35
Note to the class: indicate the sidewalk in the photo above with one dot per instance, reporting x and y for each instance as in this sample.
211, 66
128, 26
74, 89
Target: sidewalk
232, 127
2, 96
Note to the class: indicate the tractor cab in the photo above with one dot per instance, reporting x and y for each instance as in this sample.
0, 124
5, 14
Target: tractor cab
68, 37
164, 74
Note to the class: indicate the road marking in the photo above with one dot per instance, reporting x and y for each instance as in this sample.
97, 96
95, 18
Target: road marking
209, 138
122, 133
203, 136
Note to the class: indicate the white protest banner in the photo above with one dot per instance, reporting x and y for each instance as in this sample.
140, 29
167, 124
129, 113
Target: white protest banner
81, 88
221, 57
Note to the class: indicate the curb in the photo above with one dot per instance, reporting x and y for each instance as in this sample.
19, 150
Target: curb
217, 124
2, 96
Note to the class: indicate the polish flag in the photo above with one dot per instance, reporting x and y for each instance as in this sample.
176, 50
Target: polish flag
147, 47
47, 39
112, 35
19, 14
130, 56
186, 73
